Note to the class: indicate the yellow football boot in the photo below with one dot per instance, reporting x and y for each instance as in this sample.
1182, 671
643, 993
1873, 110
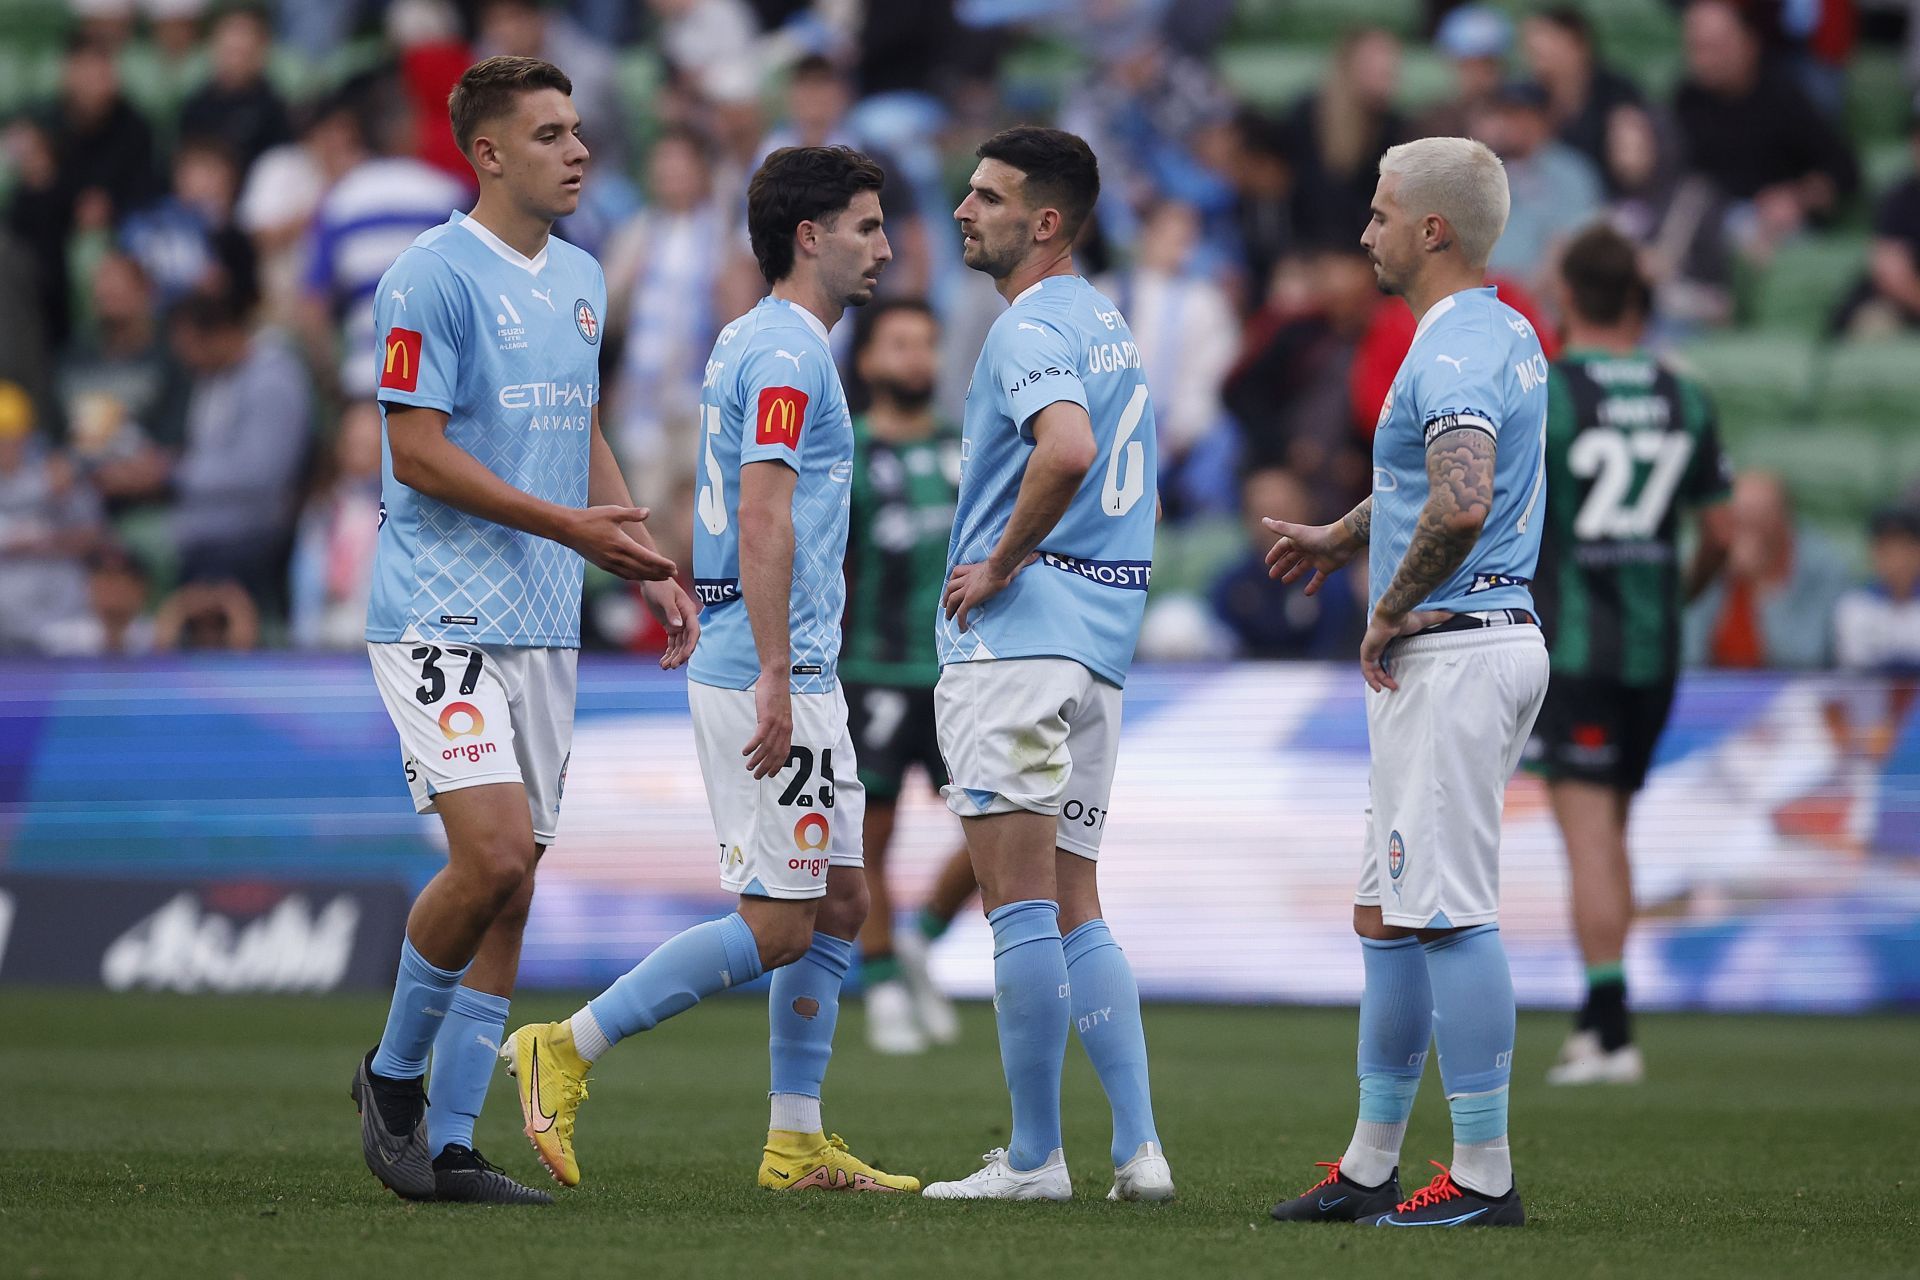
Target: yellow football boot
553, 1084
797, 1161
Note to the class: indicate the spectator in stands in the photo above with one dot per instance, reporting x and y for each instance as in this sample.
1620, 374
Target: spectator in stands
187, 239
118, 585
124, 394
1887, 299
102, 146
1583, 96
49, 520
1555, 189
1679, 221
1261, 172
247, 437
1749, 127
1339, 134
332, 571
207, 616
1877, 627
1268, 620
711, 47
432, 53
1773, 607
1188, 337
1476, 39
237, 104
528, 29
364, 221
283, 190
24, 356
662, 279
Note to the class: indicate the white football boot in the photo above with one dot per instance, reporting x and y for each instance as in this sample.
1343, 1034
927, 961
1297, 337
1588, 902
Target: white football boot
1583, 1061
1146, 1177
891, 1025
998, 1180
930, 1005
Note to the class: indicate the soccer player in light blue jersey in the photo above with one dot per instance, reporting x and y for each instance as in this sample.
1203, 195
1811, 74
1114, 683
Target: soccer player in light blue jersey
496, 484
770, 722
1456, 671
1047, 581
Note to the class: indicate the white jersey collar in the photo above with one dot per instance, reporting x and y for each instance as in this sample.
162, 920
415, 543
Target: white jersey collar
812, 320
501, 249
1036, 287
1443, 306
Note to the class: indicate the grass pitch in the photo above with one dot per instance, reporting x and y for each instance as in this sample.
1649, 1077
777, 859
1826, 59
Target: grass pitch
157, 1136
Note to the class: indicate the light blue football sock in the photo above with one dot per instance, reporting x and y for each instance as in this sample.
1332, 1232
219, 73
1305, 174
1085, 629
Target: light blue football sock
465, 1054
682, 971
421, 994
1396, 1025
1030, 1007
1105, 1005
1473, 1025
803, 1005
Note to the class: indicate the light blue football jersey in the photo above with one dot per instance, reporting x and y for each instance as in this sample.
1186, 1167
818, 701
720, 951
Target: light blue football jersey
772, 393
1083, 599
509, 348
1475, 363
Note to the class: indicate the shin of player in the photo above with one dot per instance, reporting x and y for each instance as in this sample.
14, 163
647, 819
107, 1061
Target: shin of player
473, 627
776, 450
1047, 576
1456, 671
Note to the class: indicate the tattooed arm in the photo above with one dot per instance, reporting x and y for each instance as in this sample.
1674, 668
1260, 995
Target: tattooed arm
1459, 496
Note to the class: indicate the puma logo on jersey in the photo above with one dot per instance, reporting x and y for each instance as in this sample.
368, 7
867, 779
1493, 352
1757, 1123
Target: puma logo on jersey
788, 355
399, 297
546, 297
1455, 363
1032, 327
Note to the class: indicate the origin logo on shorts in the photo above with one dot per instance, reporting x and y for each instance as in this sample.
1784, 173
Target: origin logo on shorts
400, 362
463, 720
1396, 855
782, 416
811, 834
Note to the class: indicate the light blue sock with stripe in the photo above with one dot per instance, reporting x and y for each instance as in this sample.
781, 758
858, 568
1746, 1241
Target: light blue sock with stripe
1105, 1005
1030, 1008
1396, 1025
803, 1005
681, 972
465, 1055
421, 994
1473, 1027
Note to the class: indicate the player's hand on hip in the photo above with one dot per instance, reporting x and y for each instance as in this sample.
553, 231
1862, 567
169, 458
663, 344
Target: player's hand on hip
1383, 630
1319, 547
772, 741
599, 534
679, 614
971, 585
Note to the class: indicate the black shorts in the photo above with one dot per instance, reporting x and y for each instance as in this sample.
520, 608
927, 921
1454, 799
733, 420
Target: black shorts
892, 728
1600, 731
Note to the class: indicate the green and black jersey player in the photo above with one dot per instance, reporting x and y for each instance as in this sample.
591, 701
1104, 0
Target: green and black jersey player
906, 476
1631, 448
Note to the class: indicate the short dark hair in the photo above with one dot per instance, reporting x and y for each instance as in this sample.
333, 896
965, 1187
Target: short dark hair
867, 322
1604, 280
801, 184
488, 89
1060, 169
1571, 19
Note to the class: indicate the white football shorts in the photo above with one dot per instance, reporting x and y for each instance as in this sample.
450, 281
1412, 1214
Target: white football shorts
1444, 746
778, 835
1039, 734
471, 714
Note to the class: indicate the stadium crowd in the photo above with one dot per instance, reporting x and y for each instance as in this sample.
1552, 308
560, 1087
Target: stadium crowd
200, 205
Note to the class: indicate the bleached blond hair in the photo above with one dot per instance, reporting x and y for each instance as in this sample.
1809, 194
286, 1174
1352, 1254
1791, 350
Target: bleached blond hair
1459, 179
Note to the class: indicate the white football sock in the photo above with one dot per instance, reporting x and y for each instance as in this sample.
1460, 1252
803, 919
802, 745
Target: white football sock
1486, 1167
796, 1112
1374, 1152
589, 1041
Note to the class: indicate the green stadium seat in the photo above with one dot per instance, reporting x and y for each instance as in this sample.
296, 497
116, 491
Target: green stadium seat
1836, 472
1754, 377
1878, 97
1873, 381
1324, 21
1798, 291
1886, 163
1272, 76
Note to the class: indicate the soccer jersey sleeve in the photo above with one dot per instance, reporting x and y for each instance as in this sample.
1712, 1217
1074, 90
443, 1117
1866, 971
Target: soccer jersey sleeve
421, 319
782, 391
1709, 475
1033, 366
1459, 389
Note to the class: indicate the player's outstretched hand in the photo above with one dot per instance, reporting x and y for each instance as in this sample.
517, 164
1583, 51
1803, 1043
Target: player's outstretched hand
600, 534
766, 751
679, 613
1319, 547
971, 585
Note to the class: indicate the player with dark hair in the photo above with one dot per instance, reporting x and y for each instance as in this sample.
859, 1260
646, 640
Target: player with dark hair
770, 537
1048, 567
1631, 446
906, 473
496, 484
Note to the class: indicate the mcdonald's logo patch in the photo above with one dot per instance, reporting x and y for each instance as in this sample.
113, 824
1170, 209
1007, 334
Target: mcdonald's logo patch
782, 416
400, 363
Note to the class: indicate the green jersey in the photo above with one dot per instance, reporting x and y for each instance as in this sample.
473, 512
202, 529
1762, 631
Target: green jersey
903, 501
1630, 445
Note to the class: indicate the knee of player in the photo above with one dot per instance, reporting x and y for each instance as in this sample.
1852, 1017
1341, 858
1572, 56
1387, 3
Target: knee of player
503, 872
782, 936
845, 908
